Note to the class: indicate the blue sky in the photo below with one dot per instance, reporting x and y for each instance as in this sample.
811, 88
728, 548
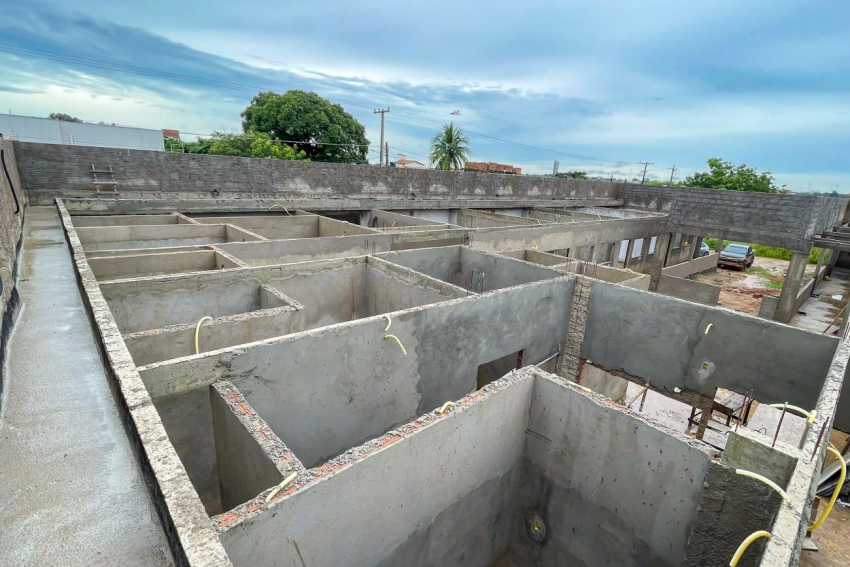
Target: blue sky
597, 85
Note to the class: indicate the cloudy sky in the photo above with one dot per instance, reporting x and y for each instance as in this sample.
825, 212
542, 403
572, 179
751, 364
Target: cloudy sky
598, 85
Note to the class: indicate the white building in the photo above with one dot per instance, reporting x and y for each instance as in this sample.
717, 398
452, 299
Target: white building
402, 161
46, 131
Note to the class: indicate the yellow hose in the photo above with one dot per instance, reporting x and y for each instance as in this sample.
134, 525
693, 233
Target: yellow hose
389, 322
765, 480
745, 544
810, 416
446, 406
280, 486
707, 329
838, 488
197, 330
398, 342
282, 207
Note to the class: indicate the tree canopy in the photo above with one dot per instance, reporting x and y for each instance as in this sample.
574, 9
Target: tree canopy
449, 148
250, 144
572, 175
322, 130
724, 175
63, 117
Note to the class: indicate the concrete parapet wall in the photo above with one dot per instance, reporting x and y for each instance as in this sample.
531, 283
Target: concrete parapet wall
698, 292
691, 267
13, 204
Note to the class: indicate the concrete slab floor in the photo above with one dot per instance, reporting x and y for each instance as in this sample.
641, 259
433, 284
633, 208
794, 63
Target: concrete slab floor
822, 310
71, 492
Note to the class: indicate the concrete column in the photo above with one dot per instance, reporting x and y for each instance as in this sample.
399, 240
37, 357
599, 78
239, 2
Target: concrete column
817, 268
615, 251
719, 245
597, 252
662, 244
833, 258
629, 249
644, 250
791, 287
697, 246
570, 364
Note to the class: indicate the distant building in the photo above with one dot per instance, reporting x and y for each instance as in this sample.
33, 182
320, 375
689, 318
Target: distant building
402, 161
492, 167
47, 131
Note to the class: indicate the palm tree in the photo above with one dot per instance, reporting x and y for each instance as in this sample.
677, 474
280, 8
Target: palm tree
449, 148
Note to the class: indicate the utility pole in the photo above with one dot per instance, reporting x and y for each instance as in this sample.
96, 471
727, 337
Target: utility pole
645, 165
672, 173
382, 112
387, 152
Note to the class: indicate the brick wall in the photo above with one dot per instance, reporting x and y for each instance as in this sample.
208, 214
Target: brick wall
787, 221
47, 168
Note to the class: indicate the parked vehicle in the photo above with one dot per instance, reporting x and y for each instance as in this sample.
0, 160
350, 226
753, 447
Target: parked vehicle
739, 256
704, 250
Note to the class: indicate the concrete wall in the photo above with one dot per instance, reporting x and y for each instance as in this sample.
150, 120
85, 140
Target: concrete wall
664, 340
787, 221
11, 230
767, 308
53, 169
303, 250
385, 220
611, 488
690, 267
469, 268
97, 238
690, 290
244, 468
439, 492
353, 384
482, 219
156, 264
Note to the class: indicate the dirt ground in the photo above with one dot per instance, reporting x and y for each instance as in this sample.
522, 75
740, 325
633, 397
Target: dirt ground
743, 290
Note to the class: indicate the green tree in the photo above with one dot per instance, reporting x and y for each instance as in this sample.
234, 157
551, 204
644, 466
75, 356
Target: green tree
724, 175
264, 147
449, 148
322, 130
572, 175
63, 117
250, 144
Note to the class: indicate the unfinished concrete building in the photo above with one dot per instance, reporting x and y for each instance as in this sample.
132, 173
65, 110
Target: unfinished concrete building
322, 365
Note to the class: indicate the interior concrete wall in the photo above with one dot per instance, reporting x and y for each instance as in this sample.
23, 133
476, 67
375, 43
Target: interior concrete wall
611, 488
96, 238
698, 292
304, 250
11, 239
245, 468
460, 265
121, 267
664, 340
81, 221
481, 219
451, 508
277, 227
331, 227
351, 384
141, 305
378, 219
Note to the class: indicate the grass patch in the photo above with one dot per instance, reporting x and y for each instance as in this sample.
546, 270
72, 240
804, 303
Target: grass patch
769, 279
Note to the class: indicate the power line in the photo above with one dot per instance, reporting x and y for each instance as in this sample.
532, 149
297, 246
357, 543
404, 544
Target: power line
155, 73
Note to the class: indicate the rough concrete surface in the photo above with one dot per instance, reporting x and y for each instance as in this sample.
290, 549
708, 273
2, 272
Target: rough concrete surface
71, 490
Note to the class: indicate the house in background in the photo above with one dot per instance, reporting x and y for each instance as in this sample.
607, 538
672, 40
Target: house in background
402, 161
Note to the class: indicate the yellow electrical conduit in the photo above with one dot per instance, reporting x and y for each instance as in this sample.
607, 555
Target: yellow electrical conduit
446, 406
282, 207
398, 342
746, 543
765, 480
197, 330
280, 486
810, 416
838, 488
